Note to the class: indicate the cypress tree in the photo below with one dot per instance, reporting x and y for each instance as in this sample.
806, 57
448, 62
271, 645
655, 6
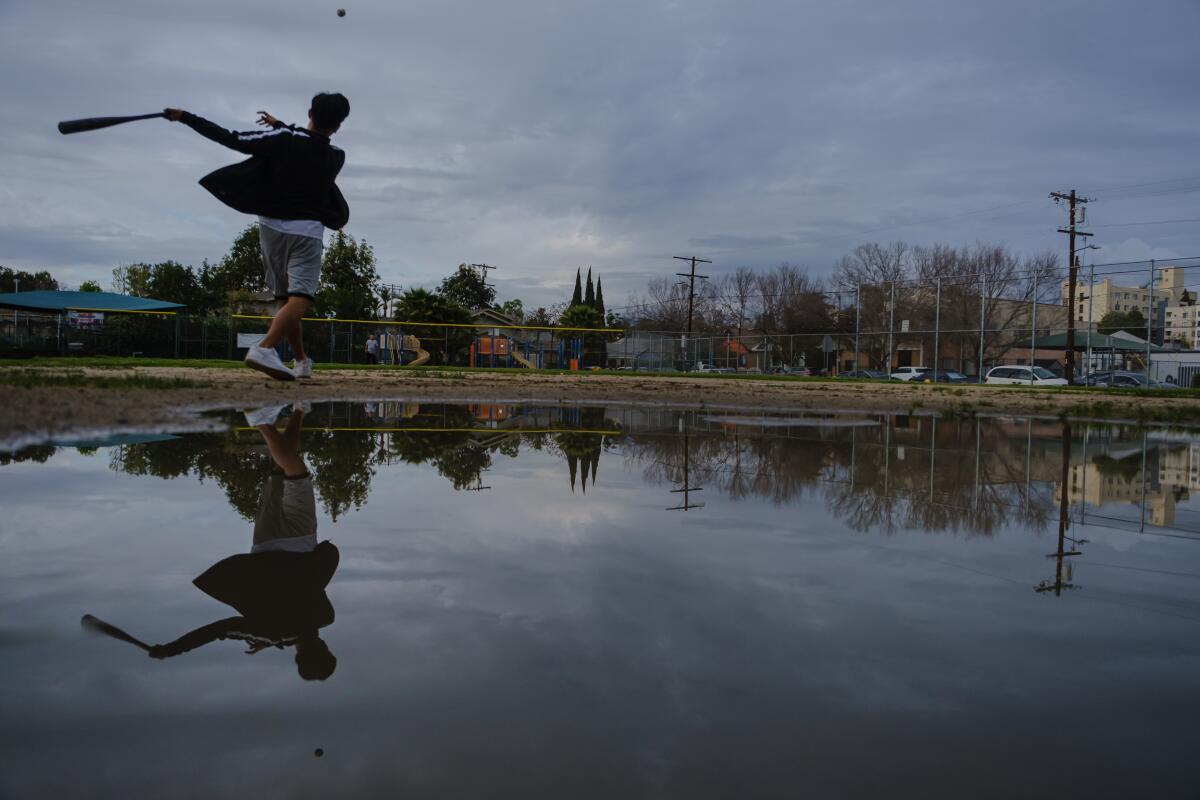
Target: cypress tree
600, 302
577, 297
589, 299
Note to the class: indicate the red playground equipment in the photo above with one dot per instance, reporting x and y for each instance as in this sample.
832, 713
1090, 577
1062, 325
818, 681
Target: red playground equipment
498, 350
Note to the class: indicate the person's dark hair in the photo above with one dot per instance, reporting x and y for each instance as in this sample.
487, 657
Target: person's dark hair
314, 662
329, 110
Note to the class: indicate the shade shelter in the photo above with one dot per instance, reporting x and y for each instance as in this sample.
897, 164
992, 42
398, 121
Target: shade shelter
1098, 341
55, 302
94, 323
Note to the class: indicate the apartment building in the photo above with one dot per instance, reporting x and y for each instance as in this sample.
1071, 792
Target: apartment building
1174, 314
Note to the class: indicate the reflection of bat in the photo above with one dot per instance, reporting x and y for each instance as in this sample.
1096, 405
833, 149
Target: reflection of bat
100, 626
96, 123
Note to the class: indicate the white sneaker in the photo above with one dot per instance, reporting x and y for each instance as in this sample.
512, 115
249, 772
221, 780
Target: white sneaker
263, 416
302, 369
302, 406
266, 360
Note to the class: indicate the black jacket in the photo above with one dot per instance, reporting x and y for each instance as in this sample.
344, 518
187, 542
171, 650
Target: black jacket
289, 175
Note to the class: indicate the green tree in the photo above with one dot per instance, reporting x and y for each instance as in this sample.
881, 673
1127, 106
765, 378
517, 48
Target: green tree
176, 283
467, 288
131, 280
582, 316
513, 309
30, 281
420, 305
599, 305
1131, 321
90, 286
540, 317
349, 286
577, 295
589, 297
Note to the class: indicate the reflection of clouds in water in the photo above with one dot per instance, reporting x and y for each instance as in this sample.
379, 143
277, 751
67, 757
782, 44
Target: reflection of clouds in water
601, 634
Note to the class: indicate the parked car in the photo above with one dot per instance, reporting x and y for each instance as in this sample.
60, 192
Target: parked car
868, 374
1126, 380
1021, 376
908, 373
946, 376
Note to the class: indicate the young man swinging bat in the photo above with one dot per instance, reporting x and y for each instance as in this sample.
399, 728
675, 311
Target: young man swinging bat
288, 181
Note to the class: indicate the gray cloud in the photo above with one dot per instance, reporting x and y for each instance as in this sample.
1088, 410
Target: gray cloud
542, 136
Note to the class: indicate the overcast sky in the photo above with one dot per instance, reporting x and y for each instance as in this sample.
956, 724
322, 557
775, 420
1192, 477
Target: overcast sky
542, 135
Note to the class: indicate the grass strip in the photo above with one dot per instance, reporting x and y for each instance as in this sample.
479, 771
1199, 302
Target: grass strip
36, 378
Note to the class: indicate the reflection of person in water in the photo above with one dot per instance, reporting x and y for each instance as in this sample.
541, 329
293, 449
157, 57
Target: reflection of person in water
278, 588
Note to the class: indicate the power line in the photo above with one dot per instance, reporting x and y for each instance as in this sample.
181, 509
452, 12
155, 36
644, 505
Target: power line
1148, 222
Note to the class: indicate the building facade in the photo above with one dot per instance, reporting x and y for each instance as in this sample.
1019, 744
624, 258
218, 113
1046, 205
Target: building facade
1173, 316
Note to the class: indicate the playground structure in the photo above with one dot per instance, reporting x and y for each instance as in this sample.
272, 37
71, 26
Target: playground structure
393, 344
414, 344
499, 350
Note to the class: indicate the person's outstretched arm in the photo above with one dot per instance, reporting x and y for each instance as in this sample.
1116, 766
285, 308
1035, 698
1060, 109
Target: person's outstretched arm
197, 638
249, 142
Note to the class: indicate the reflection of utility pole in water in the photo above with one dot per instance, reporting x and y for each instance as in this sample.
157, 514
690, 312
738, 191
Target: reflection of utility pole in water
1064, 505
687, 489
478, 487
1142, 506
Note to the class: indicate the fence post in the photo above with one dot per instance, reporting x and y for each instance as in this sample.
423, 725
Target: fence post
1033, 331
1149, 322
857, 318
1091, 291
937, 326
982, 318
178, 316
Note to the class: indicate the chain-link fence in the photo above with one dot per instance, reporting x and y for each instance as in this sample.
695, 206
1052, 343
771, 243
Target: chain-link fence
951, 328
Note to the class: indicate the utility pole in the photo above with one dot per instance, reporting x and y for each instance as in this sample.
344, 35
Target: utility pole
483, 270
691, 276
1073, 202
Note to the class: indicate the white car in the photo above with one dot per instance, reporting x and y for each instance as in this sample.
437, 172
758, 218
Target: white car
909, 373
1019, 376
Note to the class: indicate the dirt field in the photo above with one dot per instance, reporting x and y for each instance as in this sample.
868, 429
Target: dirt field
32, 412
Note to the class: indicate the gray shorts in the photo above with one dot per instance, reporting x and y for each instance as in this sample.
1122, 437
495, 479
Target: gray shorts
292, 263
287, 515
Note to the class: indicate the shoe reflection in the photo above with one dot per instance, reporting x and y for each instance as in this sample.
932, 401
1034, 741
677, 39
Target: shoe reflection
278, 588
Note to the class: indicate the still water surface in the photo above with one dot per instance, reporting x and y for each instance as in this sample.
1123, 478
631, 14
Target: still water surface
498, 600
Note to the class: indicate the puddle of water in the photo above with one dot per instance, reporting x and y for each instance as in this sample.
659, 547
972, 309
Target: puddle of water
442, 600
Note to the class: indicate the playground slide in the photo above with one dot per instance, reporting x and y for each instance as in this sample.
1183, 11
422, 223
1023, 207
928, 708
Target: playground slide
414, 344
522, 360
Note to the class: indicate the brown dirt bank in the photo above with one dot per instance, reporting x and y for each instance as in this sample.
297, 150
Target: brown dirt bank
29, 412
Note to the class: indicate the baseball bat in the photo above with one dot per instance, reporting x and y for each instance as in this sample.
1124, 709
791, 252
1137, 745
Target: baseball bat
100, 626
96, 123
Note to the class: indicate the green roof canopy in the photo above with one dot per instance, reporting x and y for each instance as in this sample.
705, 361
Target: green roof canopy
1099, 341
57, 302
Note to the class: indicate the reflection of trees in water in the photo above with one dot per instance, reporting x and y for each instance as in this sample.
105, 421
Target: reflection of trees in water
871, 477
454, 454
342, 462
582, 451
207, 456
38, 453
777, 469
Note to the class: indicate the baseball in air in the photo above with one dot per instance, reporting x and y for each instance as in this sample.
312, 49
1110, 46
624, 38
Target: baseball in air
341, 12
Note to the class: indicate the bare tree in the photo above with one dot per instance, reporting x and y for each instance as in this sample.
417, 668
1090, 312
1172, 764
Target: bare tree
874, 270
736, 295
